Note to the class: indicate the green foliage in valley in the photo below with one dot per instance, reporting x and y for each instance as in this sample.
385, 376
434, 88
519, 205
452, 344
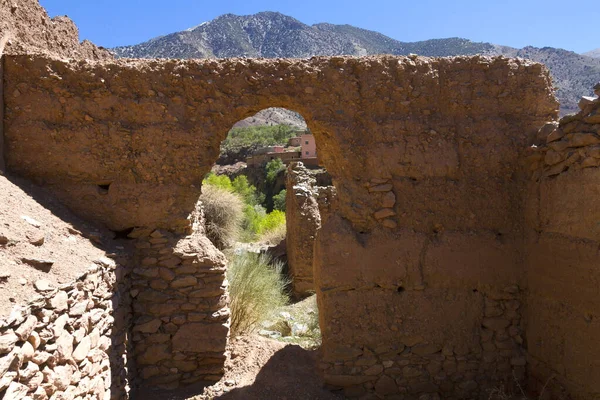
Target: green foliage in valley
273, 168
279, 200
255, 222
254, 137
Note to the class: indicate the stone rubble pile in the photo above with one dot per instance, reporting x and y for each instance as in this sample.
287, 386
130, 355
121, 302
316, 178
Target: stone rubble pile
573, 143
70, 343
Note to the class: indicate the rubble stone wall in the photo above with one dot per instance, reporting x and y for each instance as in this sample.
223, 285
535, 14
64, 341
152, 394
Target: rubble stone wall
420, 265
71, 342
181, 308
563, 266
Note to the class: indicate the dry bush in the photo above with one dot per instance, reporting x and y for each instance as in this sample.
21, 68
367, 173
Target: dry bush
223, 213
257, 289
274, 236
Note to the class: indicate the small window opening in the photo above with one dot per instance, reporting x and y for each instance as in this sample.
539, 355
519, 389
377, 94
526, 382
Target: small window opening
123, 234
103, 188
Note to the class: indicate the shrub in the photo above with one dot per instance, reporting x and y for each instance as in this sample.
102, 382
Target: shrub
274, 236
279, 200
253, 137
248, 192
271, 221
220, 181
257, 289
273, 168
223, 213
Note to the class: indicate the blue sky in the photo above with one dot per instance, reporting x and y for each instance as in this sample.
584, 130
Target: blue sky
517, 23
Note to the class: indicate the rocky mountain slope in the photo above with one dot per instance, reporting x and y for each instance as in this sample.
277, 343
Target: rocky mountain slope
593, 53
274, 116
270, 34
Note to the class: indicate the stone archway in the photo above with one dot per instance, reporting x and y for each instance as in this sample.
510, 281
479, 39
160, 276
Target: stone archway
443, 135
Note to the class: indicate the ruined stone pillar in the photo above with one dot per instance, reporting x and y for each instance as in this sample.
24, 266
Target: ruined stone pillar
306, 206
180, 301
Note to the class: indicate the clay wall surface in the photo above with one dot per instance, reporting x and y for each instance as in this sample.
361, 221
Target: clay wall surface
71, 342
420, 265
563, 267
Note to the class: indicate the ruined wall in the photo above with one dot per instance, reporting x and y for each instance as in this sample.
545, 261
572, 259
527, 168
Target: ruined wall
181, 308
307, 205
70, 342
563, 266
421, 263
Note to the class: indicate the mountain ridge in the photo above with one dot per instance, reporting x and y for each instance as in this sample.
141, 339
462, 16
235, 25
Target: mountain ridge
271, 34
593, 53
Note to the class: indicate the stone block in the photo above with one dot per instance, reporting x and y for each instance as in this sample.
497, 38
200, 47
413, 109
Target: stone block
201, 338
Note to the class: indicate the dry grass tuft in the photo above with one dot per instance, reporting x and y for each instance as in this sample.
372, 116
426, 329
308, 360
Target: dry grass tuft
274, 236
257, 289
223, 213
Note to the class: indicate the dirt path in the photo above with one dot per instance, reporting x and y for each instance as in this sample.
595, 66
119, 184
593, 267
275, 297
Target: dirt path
258, 368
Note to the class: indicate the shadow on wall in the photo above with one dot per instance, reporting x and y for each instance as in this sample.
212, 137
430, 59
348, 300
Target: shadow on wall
73, 339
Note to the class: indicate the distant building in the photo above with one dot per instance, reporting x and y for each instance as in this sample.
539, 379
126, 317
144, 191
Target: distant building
307, 153
294, 142
309, 146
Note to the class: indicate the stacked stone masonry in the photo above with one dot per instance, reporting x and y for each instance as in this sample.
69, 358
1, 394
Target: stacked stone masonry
432, 269
180, 305
71, 342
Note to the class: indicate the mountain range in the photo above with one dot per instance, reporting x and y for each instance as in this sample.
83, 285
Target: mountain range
271, 35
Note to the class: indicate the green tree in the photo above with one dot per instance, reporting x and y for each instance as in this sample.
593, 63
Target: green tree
220, 181
273, 168
247, 191
279, 200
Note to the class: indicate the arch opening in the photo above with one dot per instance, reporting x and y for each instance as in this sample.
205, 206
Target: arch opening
262, 205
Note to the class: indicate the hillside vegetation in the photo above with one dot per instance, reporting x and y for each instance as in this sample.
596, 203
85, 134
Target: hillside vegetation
242, 142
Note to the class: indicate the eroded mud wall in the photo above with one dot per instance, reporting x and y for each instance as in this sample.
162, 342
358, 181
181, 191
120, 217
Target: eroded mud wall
563, 266
425, 245
27, 28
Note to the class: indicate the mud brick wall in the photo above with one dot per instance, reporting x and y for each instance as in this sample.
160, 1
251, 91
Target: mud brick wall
421, 262
71, 342
563, 267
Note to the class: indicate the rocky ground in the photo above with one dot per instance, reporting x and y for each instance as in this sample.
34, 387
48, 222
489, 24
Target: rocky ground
258, 368
42, 244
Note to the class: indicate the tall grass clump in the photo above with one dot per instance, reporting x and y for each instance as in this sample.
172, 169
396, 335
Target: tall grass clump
223, 214
257, 289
